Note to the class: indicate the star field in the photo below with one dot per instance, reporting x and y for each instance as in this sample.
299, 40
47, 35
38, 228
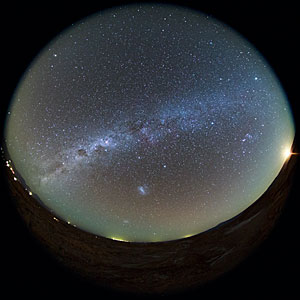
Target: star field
148, 123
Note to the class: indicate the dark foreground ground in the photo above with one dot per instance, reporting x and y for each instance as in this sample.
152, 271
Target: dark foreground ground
147, 268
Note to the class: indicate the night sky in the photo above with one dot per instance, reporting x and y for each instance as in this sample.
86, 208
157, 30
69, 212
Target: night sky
148, 123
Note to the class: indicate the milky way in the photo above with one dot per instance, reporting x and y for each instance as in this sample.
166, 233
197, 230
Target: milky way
148, 123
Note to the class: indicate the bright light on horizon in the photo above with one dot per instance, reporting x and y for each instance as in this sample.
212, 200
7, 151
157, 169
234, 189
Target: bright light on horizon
287, 153
118, 239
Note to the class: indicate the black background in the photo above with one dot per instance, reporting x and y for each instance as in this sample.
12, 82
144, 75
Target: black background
271, 270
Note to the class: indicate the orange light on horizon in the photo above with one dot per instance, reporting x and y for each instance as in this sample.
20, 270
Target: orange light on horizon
287, 153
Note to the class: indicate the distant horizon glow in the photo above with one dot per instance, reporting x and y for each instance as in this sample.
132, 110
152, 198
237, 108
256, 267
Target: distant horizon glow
287, 153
